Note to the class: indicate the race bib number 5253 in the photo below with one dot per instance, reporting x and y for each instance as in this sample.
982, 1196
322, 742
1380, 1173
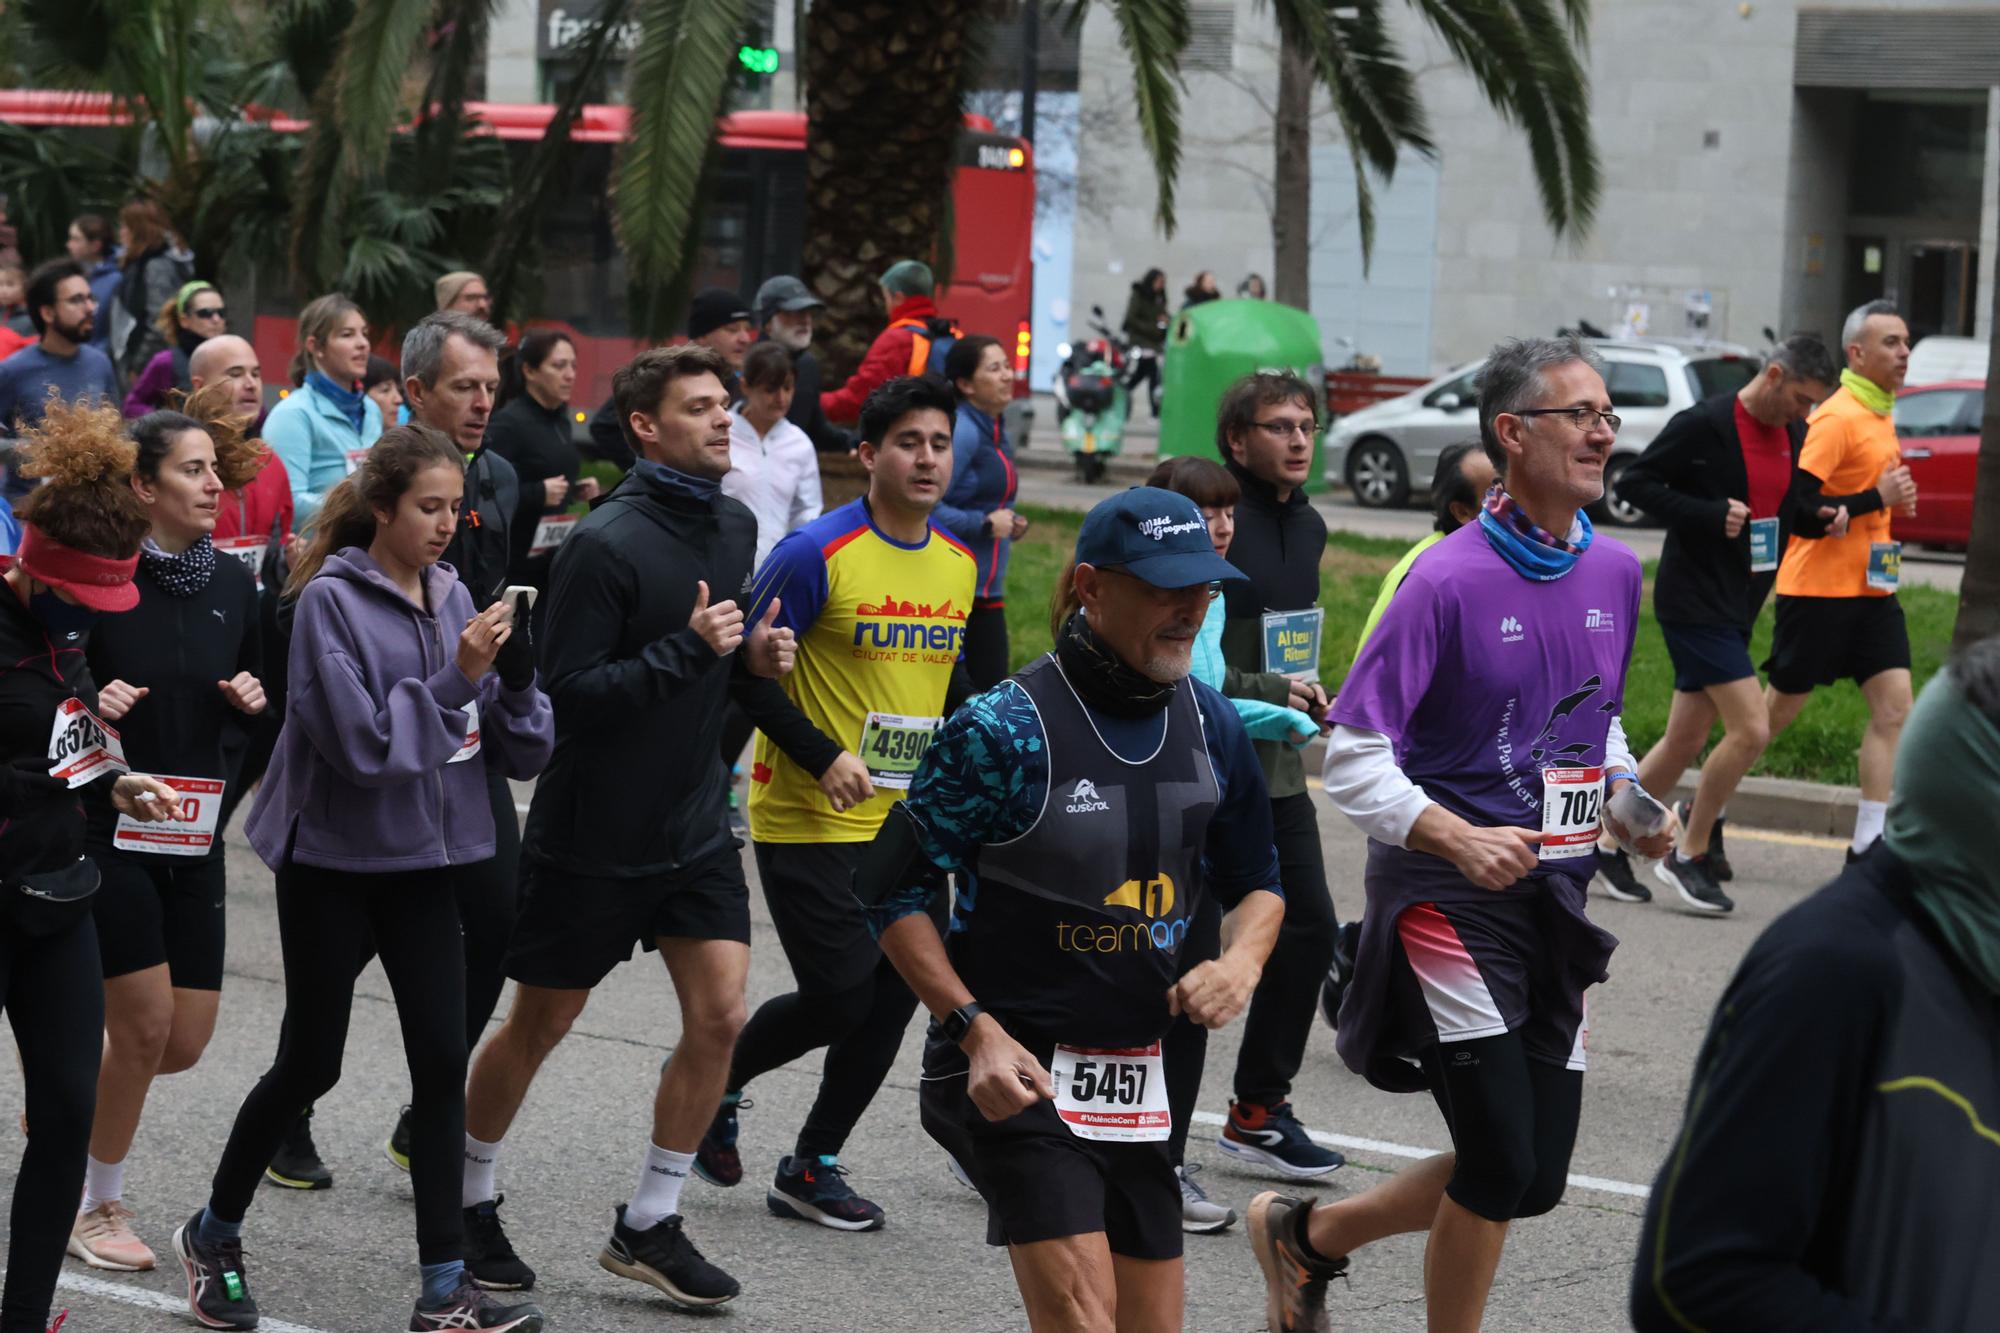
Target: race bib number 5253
83, 747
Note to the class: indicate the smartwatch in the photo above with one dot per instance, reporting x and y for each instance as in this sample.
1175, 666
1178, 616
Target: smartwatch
959, 1021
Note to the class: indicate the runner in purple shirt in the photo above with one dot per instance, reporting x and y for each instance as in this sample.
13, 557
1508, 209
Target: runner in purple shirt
1477, 743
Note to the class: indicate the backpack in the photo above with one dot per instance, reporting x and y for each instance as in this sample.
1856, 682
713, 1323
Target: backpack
931, 341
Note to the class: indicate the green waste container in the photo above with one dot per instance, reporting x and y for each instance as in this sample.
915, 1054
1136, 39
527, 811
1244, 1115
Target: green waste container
1211, 346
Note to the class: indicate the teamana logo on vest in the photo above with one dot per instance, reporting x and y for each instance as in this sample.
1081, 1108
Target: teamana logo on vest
1085, 799
894, 623
1603, 622
1511, 631
1159, 529
1152, 899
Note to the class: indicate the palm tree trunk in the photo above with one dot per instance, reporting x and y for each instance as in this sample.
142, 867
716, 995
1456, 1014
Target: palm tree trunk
1291, 192
1979, 591
883, 84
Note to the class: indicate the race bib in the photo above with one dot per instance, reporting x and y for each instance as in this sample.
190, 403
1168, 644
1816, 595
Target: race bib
1112, 1096
1885, 565
1291, 642
892, 746
471, 746
1763, 545
1571, 801
355, 458
249, 550
551, 532
83, 747
193, 834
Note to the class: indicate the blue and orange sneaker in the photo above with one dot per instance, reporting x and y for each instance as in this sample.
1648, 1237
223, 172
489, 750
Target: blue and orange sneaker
716, 1159
816, 1190
1272, 1137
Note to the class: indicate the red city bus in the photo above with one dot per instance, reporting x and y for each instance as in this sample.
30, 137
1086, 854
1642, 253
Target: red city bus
752, 227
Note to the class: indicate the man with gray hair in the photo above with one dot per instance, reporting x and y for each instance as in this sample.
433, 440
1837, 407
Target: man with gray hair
1477, 742
1838, 617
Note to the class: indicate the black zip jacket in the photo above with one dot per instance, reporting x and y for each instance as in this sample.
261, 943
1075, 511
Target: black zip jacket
635, 786
1278, 548
482, 548
536, 440
178, 648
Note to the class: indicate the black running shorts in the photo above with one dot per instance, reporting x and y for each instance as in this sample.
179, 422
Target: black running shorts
810, 889
1040, 1181
1705, 655
1821, 640
573, 929
160, 909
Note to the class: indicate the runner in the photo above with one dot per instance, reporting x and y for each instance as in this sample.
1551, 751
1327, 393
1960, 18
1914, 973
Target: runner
1090, 806
1838, 615
533, 430
321, 429
176, 669
376, 798
81, 530
1718, 476
1472, 743
877, 596
642, 614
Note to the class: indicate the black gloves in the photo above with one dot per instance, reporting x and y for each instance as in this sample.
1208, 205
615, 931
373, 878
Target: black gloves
516, 659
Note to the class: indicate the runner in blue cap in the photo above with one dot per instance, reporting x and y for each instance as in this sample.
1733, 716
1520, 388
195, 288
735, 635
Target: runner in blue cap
1088, 805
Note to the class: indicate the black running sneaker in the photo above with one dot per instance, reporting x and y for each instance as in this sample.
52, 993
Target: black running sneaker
717, 1160
397, 1149
816, 1190
469, 1307
1272, 1137
1346, 943
1718, 857
1691, 877
296, 1164
662, 1256
1619, 881
489, 1256
1294, 1281
218, 1290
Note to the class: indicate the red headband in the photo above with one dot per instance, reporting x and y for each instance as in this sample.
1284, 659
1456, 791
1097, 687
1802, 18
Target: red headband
99, 582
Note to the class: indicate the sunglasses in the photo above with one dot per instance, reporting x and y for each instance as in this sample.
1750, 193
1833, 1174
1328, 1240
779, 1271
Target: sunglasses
208, 312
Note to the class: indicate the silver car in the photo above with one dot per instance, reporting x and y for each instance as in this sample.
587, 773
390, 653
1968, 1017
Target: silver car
1384, 452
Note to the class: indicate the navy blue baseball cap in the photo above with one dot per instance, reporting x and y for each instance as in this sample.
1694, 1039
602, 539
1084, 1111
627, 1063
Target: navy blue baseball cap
1155, 535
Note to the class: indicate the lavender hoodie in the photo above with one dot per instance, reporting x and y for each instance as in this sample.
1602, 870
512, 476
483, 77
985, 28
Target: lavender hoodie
361, 779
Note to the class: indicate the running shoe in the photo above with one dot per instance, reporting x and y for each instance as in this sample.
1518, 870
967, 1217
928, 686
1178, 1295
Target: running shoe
1718, 857
1201, 1215
816, 1190
1272, 1137
1862, 855
62, 1317
489, 1255
296, 1164
1691, 877
1294, 1281
218, 1288
662, 1256
397, 1149
103, 1238
1619, 881
1346, 944
470, 1307
717, 1160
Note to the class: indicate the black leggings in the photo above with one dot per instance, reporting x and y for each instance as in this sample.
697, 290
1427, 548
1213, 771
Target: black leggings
1287, 996
1513, 1124
53, 991
325, 920
986, 645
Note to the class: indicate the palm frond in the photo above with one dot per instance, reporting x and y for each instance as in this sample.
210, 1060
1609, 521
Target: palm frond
458, 49
375, 56
1154, 33
679, 74
50, 178
1358, 62
320, 189
306, 37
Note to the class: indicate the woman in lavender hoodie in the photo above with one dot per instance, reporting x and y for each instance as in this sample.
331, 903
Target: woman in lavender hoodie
374, 799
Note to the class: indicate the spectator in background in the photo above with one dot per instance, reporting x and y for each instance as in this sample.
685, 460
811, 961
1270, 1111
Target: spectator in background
195, 314
152, 272
89, 244
1145, 326
905, 347
774, 469
464, 290
978, 505
717, 319
1251, 288
784, 311
1464, 474
14, 300
323, 428
1201, 291
533, 430
64, 312
384, 383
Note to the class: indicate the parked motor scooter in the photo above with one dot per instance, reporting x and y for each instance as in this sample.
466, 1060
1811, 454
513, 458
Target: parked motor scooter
1092, 401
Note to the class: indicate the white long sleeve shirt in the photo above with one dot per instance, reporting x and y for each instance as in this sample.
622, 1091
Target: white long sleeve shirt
776, 476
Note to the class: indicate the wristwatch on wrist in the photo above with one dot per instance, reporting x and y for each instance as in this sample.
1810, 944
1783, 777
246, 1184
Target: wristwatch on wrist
959, 1021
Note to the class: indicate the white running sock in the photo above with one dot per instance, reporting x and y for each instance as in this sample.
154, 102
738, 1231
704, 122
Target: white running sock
1869, 816
103, 1182
658, 1195
481, 1161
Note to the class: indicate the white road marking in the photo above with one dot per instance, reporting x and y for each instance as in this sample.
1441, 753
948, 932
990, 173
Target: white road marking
146, 1299
1383, 1148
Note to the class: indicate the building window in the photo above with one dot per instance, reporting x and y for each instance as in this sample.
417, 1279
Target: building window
1211, 44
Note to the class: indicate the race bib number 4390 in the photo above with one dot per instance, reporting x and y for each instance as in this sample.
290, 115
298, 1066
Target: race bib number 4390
892, 746
1112, 1096
83, 747
1572, 799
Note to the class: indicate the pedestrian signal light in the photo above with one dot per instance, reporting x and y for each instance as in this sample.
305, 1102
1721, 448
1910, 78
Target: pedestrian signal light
758, 59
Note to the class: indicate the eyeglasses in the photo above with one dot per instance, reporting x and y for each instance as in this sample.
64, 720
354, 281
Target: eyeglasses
1211, 591
1284, 430
1584, 419
208, 312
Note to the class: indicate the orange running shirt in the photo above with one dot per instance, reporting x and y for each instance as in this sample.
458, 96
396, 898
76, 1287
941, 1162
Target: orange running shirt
1847, 446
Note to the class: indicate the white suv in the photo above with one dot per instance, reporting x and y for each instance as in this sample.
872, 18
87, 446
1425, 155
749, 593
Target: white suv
1384, 452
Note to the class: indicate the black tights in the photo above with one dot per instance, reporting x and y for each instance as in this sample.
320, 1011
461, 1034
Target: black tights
53, 990
325, 920
1513, 1124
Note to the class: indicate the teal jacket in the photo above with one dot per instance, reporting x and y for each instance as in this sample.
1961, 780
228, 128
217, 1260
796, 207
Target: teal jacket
1264, 722
312, 438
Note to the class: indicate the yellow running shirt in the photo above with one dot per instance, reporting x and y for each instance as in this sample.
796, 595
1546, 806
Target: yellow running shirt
879, 625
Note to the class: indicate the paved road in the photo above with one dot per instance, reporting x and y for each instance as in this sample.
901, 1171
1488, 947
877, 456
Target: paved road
344, 1261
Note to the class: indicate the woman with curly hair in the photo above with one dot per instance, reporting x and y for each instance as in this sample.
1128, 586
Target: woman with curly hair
80, 538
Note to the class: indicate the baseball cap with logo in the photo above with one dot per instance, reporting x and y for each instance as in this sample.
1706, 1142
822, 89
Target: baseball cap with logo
1155, 535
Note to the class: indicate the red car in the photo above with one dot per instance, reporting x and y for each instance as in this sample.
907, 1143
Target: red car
1939, 427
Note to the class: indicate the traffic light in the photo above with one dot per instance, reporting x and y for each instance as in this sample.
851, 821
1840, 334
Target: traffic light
757, 60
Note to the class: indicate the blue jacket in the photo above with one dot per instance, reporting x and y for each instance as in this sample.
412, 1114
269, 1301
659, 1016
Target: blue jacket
312, 438
982, 480
104, 280
1264, 722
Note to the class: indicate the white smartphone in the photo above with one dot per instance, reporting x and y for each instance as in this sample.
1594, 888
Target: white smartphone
514, 590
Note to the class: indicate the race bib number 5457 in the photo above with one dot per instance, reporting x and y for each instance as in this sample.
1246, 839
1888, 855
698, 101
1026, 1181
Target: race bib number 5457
1112, 1096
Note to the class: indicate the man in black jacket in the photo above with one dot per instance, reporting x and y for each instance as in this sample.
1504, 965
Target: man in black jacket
785, 316
1270, 645
1718, 476
627, 842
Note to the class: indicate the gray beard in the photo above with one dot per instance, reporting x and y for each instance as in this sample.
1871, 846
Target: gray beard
790, 341
1167, 670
